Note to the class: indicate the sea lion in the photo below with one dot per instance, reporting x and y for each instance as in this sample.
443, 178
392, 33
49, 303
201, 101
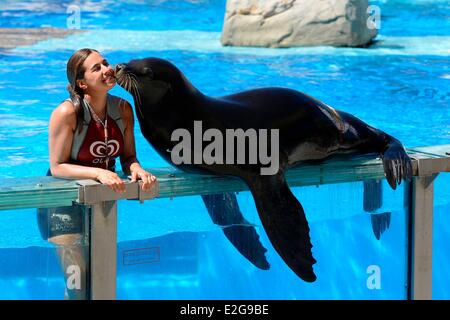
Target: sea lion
305, 130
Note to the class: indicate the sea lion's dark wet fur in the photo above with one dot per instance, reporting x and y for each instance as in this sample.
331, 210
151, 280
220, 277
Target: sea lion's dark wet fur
308, 130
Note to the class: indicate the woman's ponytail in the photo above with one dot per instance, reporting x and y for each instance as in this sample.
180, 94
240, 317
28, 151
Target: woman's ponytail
77, 100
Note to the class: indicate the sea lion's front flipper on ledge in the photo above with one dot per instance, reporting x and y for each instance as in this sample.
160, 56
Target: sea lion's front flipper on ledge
285, 223
224, 211
397, 164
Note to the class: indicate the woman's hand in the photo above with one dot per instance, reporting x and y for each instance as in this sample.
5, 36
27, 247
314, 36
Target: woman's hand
111, 179
147, 178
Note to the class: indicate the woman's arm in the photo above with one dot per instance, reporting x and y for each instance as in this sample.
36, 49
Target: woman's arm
61, 128
129, 162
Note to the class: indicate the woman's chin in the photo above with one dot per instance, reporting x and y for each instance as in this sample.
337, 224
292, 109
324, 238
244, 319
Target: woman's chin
110, 84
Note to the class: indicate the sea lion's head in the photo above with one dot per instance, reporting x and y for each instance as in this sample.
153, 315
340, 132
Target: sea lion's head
150, 80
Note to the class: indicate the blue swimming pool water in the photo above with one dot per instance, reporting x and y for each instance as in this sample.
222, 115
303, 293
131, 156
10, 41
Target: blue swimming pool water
399, 17
400, 85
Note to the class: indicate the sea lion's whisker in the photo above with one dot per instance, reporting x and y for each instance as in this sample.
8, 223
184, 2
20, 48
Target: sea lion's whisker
132, 75
132, 87
128, 84
136, 92
138, 100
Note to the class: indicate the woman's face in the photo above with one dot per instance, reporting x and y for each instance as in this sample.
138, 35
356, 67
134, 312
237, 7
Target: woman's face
98, 75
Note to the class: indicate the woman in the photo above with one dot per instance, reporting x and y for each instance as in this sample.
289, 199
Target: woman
86, 133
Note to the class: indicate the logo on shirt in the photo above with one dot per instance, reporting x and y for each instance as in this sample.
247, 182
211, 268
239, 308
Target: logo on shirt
99, 149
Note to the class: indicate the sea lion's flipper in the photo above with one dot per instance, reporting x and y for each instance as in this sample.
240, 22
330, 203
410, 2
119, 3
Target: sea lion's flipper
397, 164
373, 200
380, 222
373, 195
224, 211
285, 223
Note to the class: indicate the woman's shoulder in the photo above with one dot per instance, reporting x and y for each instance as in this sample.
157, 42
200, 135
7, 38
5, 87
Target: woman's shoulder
65, 113
65, 108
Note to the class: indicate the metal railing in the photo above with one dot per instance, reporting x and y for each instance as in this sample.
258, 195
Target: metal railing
45, 192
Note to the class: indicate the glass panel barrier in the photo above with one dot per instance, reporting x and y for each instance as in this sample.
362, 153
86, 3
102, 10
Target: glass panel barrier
172, 249
32, 267
441, 237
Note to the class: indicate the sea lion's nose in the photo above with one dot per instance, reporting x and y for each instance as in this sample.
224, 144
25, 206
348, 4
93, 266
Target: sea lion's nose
119, 67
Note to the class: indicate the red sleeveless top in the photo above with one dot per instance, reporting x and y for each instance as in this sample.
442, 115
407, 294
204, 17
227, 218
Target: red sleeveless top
89, 149
93, 151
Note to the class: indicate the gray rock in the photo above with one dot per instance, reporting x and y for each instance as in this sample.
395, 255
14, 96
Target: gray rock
289, 23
